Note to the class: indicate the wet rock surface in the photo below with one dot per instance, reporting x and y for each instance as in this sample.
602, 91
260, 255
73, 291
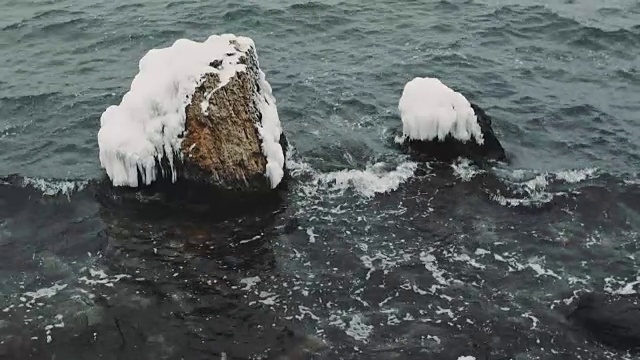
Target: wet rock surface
450, 148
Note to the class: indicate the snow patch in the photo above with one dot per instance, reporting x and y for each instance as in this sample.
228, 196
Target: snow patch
430, 110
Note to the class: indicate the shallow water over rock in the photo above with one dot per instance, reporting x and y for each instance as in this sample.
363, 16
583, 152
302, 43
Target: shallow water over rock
438, 267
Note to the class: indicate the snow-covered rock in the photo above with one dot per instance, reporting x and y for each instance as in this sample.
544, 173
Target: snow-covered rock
196, 111
440, 123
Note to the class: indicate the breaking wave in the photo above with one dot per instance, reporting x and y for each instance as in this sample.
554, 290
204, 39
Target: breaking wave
47, 187
55, 187
380, 177
532, 188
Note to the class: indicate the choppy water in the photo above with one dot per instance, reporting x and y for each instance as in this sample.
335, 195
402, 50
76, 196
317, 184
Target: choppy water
366, 258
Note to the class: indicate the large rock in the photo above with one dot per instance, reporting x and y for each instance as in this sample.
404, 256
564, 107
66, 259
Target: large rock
222, 145
441, 124
611, 320
196, 113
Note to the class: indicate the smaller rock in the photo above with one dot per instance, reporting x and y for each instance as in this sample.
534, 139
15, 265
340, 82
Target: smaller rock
611, 320
439, 123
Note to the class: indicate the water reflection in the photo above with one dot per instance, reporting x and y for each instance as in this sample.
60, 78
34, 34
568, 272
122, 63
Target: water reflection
127, 281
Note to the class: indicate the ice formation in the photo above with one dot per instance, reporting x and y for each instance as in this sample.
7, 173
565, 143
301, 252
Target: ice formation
430, 110
147, 125
270, 131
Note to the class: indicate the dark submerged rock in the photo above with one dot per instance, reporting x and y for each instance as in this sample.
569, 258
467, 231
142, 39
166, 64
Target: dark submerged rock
190, 198
194, 193
611, 320
451, 148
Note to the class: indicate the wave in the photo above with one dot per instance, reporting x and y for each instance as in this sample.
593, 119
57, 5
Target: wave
55, 187
47, 187
465, 170
43, 16
532, 21
56, 13
310, 6
530, 188
376, 178
380, 177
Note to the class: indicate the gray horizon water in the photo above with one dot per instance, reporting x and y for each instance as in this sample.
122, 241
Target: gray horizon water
355, 271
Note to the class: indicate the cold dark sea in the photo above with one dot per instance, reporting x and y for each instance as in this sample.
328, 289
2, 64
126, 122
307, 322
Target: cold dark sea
370, 255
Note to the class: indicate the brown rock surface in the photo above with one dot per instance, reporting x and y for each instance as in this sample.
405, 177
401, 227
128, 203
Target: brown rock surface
221, 144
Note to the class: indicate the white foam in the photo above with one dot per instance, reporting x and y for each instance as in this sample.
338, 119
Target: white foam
540, 271
59, 323
534, 192
99, 277
625, 288
148, 123
634, 181
312, 235
576, 176
628, 289
53, 187
431, 263
375, 179
534, 320
268, 298
358, 329
467, 259
533, 185
430, 110
250, 282
45, 292
466, 358
464, 169
380, 177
